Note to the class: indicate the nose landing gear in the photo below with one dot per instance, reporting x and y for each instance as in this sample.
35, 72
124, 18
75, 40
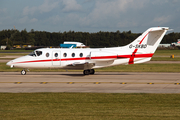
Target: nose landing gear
23, 72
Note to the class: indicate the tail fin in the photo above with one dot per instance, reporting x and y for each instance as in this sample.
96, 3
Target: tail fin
143, 48
149, 40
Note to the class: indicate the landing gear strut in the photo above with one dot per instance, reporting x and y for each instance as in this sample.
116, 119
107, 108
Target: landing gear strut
90, 71
23, 72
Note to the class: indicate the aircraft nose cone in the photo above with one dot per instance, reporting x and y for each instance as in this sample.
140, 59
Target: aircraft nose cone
9, 63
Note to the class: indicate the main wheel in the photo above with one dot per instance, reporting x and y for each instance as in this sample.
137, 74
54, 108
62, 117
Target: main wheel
86, 72
23, 72
92, 71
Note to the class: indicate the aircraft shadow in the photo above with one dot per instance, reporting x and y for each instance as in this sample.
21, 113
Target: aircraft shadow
92, 75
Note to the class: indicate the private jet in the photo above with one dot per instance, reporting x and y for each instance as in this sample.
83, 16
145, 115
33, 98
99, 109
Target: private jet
87, 59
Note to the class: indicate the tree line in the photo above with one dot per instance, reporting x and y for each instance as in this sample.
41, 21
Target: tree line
99, 39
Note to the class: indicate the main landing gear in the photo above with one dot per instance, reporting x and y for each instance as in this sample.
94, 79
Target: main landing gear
90, 71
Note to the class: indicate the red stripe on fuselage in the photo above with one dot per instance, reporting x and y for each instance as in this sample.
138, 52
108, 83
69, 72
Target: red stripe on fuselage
35, 61
50, 60
98, 57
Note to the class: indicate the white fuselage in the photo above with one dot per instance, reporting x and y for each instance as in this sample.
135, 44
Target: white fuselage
64, 58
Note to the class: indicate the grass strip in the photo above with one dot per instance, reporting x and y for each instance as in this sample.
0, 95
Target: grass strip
167, 53
89, 106
13, 54
143, 68
7, 59
15, 51
165, 59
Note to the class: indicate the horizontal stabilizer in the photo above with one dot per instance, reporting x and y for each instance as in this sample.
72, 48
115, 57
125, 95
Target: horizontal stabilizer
159, 29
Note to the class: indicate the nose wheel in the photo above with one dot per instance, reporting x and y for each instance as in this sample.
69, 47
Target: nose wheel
87, 72
23, 72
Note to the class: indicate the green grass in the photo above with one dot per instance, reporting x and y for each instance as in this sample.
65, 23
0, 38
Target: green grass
167, 53
119, 68
165, 59
143, 68
89, 106
15, 51
13, 54
7, 59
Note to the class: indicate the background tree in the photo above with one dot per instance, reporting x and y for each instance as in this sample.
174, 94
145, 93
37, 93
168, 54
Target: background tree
99, 39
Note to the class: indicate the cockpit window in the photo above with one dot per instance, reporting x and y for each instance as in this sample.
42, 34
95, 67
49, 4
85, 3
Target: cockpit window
32, 54
38, 53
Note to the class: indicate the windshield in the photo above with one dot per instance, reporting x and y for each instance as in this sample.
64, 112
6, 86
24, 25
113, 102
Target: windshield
32, 54
35, 53
38, 53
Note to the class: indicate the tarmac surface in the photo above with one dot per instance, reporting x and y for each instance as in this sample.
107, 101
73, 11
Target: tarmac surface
100, 82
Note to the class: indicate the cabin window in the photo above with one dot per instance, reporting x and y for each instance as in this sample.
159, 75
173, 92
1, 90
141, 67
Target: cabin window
73, 54
38, 53
47, 54
65, 54
81, 55
56, 54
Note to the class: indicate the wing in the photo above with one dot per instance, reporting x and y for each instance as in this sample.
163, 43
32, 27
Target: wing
80, 66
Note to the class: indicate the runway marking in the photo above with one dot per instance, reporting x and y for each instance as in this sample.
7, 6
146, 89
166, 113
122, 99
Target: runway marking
150, 83
70, 82
177, 83
123, 83
17, 82
90, 83
43, 82
97, 83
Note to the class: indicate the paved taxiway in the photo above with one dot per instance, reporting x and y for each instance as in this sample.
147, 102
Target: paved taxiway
101, 82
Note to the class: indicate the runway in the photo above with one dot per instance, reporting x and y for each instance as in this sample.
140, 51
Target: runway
101, 82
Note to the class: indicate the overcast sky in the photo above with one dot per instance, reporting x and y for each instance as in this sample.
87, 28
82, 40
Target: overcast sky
89, 15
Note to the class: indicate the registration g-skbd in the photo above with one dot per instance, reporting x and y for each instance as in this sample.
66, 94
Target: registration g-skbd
138, 46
